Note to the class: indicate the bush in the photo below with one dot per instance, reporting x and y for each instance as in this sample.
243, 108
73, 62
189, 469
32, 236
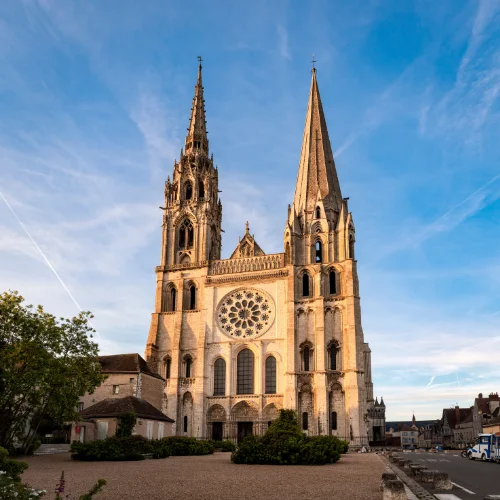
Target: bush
285, 444
119, 448
12, 468
182, 446
224, 445
126, 424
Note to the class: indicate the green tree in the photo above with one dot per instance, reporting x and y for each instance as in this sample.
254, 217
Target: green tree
46, 365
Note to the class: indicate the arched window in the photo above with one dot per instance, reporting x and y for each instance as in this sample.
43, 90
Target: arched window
319, 252
188, 362
351, 246
334, 420
306, 358
333, 357
220, 377
185, 424
318, 213
192, 297
305, 421
167, 364
244, 382
186, 234
287, 253
271, 375
306, 289
201, 189
173, 299
332, 282
189, 191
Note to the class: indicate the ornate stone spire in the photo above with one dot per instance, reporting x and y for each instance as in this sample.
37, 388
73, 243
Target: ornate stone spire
197, 139
317, 178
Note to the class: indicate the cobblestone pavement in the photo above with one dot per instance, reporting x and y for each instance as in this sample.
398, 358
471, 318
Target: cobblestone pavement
354, 477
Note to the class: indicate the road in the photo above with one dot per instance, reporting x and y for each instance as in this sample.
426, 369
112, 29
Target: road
472, 479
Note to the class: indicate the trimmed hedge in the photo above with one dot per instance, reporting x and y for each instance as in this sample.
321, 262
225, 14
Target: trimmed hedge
224, 445
119, 448
285, 444
182, 446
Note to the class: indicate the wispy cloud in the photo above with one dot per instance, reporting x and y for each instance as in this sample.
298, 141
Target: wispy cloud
284, 49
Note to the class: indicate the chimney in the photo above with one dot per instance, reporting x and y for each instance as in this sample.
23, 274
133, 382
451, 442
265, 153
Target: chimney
457, 415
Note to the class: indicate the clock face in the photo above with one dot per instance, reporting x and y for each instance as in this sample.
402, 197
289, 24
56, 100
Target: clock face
245, 313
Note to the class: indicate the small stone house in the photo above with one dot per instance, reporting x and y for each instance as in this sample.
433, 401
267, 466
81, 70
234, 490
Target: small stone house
100, 420
126, 375
450, 419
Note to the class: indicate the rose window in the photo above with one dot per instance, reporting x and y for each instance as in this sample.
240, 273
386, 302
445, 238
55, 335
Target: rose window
245, 313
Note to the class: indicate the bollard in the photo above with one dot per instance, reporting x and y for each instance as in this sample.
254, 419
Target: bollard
394, 490
387, 476
442, 481
427, 476
415, 468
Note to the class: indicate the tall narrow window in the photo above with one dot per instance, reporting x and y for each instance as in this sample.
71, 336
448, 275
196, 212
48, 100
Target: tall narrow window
306, 354
201, 189
220, 377
319, 252
168, 365
318, 213
305, 285
186, 235
245, 363
332, 276
173, 297
189, 191
287, 253
188, 363
271, 375
192, 297
185, 424
351, 246
333, 357
334, 420
305, 421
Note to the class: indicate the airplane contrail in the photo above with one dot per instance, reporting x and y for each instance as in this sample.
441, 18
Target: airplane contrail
43, 255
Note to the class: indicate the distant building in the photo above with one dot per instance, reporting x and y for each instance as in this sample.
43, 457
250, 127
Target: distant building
376, 418
130, 386
406, 434
463, 433
484, 410
450, 419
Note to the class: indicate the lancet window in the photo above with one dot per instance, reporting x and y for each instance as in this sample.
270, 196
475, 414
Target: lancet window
186, 234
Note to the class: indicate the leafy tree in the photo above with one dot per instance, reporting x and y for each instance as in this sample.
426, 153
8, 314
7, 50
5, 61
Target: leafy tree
46, 365
126, 424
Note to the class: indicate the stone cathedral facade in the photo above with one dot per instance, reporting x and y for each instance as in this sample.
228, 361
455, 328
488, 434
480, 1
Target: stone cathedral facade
237, 339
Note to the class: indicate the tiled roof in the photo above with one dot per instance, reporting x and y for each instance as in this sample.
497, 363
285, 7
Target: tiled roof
126, 363
451, 415
114, 407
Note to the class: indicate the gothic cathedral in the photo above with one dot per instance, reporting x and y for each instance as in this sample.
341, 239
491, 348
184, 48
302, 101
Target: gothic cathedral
237, 339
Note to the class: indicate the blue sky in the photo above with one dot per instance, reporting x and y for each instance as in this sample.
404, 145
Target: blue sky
95, 99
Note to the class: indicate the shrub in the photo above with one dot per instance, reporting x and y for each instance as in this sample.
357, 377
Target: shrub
12, 468
119, 448
182, 446
285, 444
224, 445
126, 424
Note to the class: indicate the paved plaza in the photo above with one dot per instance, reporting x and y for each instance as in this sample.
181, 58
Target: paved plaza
354, 477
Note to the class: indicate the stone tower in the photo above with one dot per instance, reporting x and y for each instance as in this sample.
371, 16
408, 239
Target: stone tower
237, 339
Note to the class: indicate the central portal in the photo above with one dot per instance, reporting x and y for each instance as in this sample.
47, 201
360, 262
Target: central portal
244, 429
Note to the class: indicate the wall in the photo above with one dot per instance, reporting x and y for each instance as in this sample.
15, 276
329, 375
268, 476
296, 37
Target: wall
105, 390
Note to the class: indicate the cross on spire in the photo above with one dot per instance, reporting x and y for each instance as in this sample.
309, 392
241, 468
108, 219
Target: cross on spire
200, 60
313, 61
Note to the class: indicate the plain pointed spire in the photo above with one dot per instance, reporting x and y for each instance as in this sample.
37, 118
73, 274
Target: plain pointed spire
317, 177
197, 139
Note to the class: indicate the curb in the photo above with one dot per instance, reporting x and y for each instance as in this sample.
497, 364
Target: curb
420, 492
